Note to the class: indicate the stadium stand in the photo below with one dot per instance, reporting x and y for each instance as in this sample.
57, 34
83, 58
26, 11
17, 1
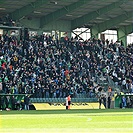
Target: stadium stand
56, 70
49, 68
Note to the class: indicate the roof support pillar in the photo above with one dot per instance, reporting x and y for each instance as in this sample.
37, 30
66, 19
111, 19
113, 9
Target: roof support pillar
122, 33
94, 33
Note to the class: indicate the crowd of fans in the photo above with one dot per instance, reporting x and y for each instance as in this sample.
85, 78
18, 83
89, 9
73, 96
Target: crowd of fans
47, 67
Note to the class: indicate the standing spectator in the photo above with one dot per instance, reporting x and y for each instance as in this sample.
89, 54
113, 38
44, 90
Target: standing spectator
123, 102
128, 102
104, 101
13, 102
1, 103
7, 102
18, 105
26, 102
109, 90
100, 101
109, 101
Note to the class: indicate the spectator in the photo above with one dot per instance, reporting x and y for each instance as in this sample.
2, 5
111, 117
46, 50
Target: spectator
100, 101
128, 102
13, 102
47, 68
124, 102
26, 102
1, 103
104, 101
109, 101
18, 105
7, 102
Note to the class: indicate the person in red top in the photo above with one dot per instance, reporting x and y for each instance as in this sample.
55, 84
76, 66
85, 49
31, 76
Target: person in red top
10, 67
67, 75
66, 72
4, 66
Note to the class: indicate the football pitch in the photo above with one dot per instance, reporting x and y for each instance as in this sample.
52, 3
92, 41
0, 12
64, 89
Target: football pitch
67, 121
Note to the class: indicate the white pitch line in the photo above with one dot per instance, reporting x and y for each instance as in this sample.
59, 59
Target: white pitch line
89, 119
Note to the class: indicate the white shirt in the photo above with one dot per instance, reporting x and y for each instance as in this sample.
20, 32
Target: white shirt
66, 101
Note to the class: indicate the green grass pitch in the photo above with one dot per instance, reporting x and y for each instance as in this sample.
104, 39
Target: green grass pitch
67, 121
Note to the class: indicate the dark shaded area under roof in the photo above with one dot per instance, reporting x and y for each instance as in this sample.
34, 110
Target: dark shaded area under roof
71, 10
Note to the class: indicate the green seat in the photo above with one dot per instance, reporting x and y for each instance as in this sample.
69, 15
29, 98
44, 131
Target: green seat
41, 100
44, 100
31, 100
34, 100
37, 100
62, 100
47, 100
56, 100
50, 100
73, 100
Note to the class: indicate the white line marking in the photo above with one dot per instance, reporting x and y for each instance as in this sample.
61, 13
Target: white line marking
89, 119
